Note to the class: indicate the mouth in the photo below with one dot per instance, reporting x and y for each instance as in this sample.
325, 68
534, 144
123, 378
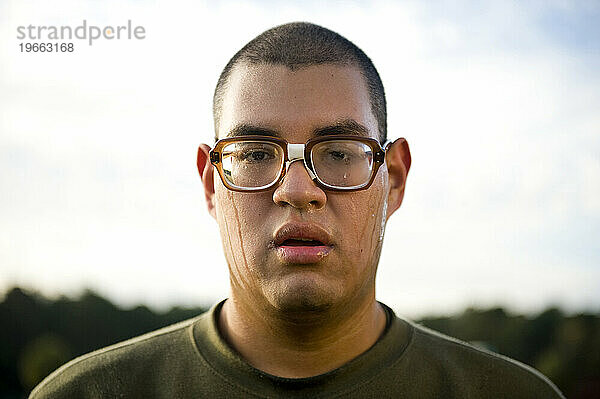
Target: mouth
299, 242
302, 243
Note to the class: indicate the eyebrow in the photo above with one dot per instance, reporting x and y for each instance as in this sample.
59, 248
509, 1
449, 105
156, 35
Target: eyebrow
343, 127
248, 130
346, 127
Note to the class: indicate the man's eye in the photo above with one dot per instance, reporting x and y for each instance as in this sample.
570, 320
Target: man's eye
339, 155
255, 156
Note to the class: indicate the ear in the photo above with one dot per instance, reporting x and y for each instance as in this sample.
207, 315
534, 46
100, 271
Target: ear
206, 171
398, 163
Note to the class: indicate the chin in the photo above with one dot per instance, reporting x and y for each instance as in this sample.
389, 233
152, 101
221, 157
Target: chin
302, 295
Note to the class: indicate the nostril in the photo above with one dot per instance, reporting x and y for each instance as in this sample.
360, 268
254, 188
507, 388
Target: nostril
300, 195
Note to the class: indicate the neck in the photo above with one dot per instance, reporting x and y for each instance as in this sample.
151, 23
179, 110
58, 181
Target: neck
302, 344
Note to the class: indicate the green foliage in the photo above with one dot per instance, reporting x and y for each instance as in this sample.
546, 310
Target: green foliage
39, 357
39, 335
564, 348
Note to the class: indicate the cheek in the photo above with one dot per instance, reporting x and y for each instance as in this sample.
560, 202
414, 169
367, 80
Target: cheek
364, 224
241, 219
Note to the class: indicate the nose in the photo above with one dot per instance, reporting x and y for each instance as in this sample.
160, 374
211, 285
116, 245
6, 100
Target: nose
298, 190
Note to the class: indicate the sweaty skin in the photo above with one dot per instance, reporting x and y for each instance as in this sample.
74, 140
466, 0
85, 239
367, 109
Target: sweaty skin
301, 320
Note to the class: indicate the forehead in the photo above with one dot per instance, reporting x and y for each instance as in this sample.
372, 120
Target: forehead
295, 103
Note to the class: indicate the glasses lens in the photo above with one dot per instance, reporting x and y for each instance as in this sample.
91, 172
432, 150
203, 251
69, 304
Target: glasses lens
252, 164
342, 163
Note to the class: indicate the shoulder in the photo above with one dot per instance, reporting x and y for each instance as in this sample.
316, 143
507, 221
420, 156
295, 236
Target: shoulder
465, 365
114, 367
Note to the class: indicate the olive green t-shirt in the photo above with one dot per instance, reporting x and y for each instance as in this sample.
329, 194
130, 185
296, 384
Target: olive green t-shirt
191, 360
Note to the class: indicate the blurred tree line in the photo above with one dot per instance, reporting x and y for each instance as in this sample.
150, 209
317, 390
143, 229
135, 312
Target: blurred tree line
38, 335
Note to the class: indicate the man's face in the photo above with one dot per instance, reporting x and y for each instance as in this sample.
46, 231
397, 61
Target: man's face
288, 275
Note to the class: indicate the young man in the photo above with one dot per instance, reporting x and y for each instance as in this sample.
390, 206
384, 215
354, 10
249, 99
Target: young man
301, 182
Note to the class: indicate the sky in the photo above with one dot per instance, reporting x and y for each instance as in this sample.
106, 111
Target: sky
498, 101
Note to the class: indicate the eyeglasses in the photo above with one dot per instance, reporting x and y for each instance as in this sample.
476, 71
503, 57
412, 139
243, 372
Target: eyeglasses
336, 163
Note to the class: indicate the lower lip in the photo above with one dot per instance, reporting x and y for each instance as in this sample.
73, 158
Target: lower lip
303, 254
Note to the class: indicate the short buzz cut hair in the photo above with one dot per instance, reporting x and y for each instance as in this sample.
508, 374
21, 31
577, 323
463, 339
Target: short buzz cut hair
301, 44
